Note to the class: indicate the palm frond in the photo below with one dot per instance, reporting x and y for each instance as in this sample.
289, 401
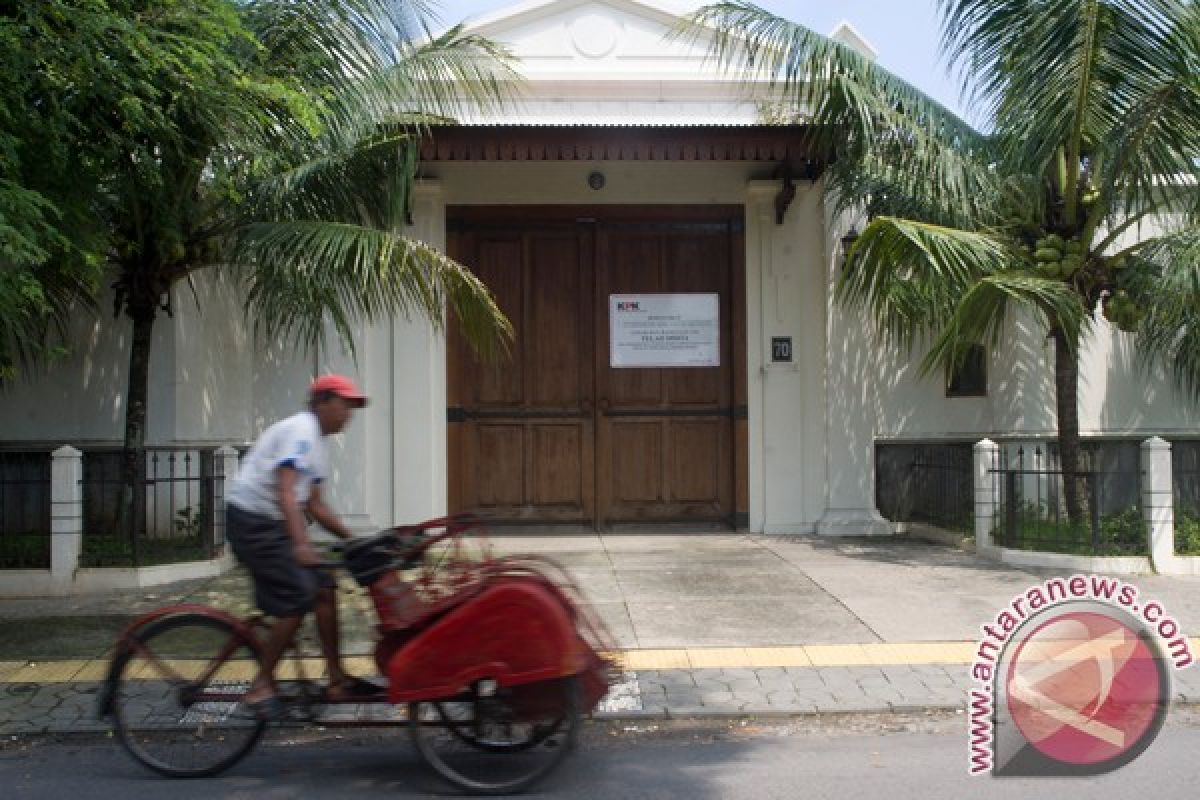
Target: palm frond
302, 273
38, 302
453, 76
1080, 74
1148, 160
368, 183
911, 275
980, 316
330, 42
859, 112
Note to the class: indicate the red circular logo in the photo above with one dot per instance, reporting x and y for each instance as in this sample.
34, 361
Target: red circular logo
1084, 688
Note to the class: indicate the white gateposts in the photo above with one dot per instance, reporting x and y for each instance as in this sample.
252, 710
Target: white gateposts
1157, 508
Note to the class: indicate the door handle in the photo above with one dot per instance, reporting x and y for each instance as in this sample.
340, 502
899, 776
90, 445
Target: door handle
602, 403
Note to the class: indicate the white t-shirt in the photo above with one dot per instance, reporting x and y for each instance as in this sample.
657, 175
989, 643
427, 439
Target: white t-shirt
296, 442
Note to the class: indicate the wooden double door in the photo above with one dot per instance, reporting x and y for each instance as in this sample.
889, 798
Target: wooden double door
554, 433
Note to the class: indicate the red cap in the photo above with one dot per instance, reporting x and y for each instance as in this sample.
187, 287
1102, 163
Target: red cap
341, 386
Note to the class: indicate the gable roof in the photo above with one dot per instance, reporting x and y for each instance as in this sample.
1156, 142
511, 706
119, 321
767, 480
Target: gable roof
508, 16
850, 36
613, 62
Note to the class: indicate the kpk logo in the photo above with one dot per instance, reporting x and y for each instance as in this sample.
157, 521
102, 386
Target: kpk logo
1074, 679
628, 305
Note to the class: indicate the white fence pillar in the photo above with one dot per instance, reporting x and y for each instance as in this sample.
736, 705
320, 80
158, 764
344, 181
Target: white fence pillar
987, 458
66, 512
1158, 507
225, 470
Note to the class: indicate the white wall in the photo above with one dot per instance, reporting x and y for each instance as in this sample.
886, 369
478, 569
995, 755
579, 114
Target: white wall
211, 381
416, 483
785, 278
211, 378
81, 398
627, 182
1117, 395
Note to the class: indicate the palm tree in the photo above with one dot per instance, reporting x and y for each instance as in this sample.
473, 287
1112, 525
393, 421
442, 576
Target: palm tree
1078, 199
290, 172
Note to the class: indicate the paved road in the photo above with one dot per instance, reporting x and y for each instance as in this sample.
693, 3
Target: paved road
848, 757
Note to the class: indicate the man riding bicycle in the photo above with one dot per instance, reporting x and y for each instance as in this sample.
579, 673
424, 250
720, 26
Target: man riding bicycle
278, 483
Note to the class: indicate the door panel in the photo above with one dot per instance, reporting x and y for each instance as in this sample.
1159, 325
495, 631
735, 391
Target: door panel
635, 463
499, 384
686, 463
693, 264
498, 465
558, 457
522, 429
555, 434
630, 260
697, 453
555, 346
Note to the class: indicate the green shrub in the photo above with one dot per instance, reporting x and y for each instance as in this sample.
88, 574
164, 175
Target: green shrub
117, 551
1120, 534
24, 551
1187, 533
188, 521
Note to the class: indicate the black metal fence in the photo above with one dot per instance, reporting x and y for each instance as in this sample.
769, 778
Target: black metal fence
167, 516
1185, 473
1033, 512
24, 510
926, 483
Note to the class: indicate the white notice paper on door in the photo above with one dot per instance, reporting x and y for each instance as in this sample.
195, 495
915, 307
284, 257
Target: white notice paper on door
664, 330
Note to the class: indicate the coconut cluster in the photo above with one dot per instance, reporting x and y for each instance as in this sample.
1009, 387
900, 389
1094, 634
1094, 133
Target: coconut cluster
1123, 311
1058, 258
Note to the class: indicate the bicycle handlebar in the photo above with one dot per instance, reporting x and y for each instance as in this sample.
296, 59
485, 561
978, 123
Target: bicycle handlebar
453, 525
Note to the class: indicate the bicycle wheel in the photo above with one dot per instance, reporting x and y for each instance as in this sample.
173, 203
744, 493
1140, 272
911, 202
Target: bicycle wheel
501, 741
176, 703
528, 735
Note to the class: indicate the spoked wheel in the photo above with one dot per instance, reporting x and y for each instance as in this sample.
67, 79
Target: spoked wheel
498, 740
177, 700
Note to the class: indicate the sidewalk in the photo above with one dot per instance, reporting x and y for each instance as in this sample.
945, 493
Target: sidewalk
712, 624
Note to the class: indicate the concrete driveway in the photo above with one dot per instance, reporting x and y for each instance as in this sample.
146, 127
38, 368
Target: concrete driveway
668, 590
673, 590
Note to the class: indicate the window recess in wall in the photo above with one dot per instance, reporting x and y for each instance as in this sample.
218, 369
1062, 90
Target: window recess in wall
970, 379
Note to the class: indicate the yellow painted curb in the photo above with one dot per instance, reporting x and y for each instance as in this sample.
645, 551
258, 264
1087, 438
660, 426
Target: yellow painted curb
779, 656
653, 659
359, 665
45, 672
839, 655
9, 667
719, 658
91, 671
877, 654
910, 653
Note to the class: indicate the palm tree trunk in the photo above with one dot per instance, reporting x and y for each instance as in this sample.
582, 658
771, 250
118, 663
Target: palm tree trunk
1066, 384
133, 495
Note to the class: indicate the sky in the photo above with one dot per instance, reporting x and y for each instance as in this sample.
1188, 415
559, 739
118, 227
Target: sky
905, 32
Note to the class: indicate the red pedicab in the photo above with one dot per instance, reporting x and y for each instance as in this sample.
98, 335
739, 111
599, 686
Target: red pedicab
496, 660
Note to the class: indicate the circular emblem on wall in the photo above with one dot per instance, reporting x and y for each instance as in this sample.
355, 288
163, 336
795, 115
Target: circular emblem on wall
1087, 688
594, 35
